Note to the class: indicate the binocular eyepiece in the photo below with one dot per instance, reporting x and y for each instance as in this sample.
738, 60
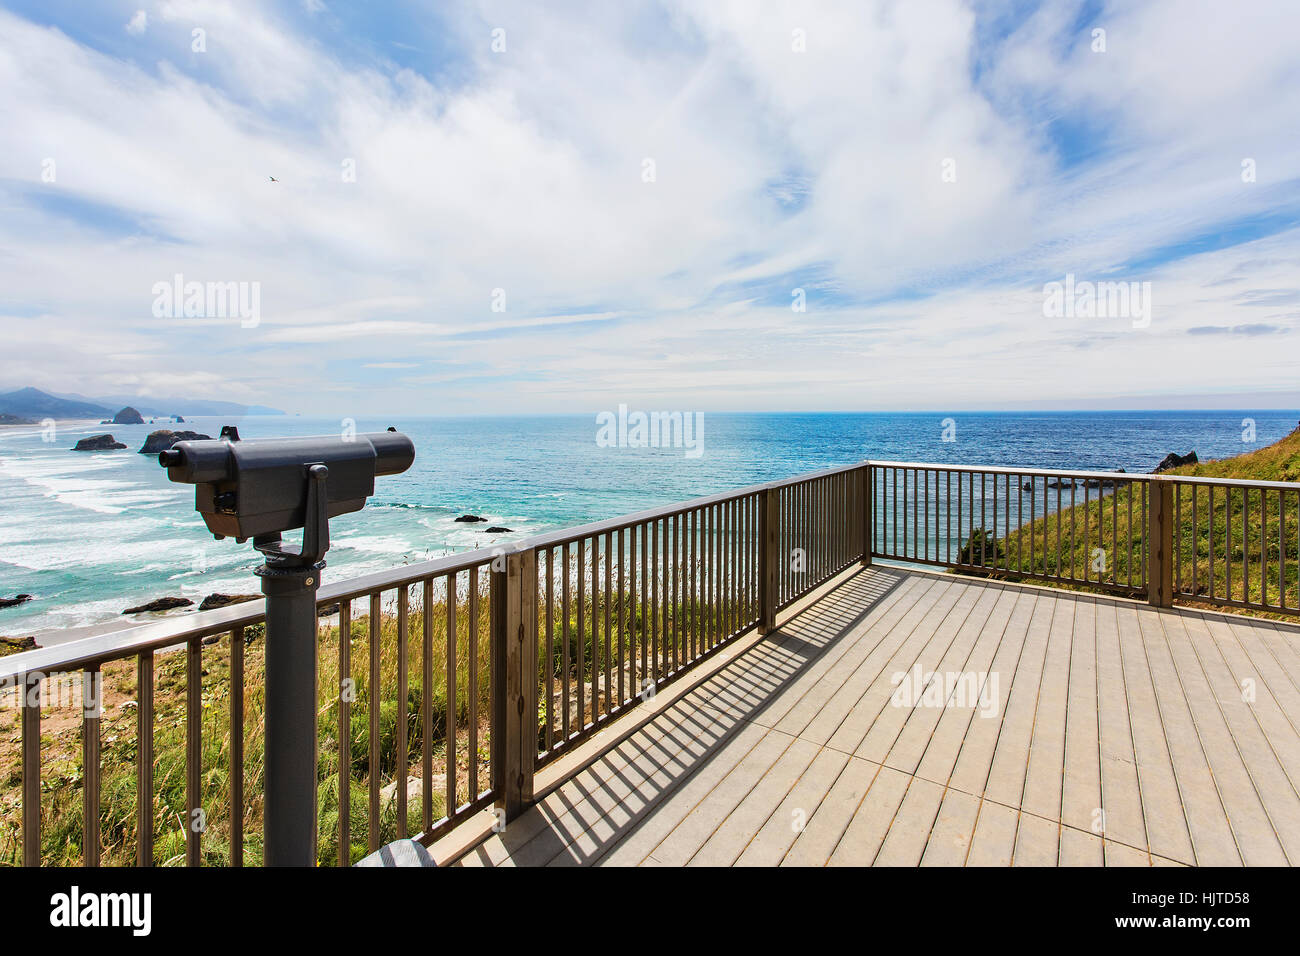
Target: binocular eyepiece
260, 487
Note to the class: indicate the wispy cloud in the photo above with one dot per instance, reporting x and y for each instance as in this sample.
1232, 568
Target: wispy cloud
577, 201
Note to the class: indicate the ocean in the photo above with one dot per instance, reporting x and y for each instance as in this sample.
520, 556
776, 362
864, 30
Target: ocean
91, 533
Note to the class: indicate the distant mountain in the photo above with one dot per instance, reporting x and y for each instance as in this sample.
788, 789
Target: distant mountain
34, 404
186, 406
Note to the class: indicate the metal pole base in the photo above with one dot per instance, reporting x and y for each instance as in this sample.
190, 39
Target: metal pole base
290, 808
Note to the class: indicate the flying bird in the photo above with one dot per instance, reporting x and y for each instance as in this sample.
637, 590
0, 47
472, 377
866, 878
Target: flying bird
274, 180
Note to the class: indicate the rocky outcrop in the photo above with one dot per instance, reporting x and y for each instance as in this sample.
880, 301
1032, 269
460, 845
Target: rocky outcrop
470, 519
19, 643
500, 531
1175, 460
164, 438
160, 604
15, 600
98, 443
128, 416
221, 600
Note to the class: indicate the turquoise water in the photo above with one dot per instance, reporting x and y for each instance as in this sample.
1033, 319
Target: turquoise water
89, 534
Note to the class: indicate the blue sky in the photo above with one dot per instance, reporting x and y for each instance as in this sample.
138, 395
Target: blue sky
496, 207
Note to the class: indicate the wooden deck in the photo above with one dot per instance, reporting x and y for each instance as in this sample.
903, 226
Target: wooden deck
1122, 735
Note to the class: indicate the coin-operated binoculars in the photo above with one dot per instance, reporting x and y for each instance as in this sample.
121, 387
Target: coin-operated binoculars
259, 489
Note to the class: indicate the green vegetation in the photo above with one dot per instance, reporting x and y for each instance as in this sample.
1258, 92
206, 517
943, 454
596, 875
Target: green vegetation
62, 773
1245, 547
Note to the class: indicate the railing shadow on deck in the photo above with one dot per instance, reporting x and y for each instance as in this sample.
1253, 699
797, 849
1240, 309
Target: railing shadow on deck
567, 826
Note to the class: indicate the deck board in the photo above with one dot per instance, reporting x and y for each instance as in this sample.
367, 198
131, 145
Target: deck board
1121, 735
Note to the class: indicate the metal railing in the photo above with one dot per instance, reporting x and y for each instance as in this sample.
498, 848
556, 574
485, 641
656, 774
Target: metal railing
1236, 543
1060, 527
488, 665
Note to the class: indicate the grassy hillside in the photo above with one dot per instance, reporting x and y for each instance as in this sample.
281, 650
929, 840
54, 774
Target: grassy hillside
1262, 560
61, 777
61, 729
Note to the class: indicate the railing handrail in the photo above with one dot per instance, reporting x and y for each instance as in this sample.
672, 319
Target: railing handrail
132, 640
1089, 475
135, 639
1014, 470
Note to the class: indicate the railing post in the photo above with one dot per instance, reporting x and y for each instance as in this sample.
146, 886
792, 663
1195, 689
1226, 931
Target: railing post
514, 679
868, 511
1160, 542
769, 524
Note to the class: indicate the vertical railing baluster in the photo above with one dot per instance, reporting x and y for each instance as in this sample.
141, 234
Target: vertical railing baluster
633, 609
237, 747
144, 757
346, 694
1227, 554
565, 653
961, 540
581, 574
1130, 529
1263, 547
30, 706
426, 704
373, 702
450, 731
1178, 538
91, 712
403, 715
984, 536
1196, 542
194, 815
621, 636
647, 675
1114, 532
473, 645
595, 629
1281, 551
609, 568
550, 648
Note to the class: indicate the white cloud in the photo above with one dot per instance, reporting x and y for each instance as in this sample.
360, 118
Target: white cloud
774, 168
138, 23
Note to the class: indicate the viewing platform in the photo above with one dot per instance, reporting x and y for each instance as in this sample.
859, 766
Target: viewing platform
1118, 734
881, 663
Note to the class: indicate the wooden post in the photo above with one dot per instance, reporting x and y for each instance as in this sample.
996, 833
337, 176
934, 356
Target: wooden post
1160, 543
769, 524
514, 679
868, 510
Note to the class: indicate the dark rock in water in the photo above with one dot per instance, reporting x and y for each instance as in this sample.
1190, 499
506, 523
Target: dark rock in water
178, 420
98, 443
327, 609
1174, 460
164, 438
160, 604
21, 643
16, 599
221, 600
1027, 486
128, 416
1104, 482
500, 531
470, 518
